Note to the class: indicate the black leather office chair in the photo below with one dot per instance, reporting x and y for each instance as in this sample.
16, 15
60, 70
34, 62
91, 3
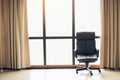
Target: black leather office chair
86, 51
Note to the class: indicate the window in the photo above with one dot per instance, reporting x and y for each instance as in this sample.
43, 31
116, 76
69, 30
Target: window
58, 23
52, 27
35, 29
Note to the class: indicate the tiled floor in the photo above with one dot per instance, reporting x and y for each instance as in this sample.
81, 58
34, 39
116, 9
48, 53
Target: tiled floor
58, 74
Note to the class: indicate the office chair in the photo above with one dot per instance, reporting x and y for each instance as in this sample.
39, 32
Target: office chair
86, 51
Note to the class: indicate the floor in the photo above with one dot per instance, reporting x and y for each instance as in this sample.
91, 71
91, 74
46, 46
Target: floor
58, 74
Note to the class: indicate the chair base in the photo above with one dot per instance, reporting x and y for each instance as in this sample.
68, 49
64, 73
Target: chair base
87, 68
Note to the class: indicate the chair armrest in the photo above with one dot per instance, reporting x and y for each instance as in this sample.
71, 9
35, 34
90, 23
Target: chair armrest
97, 52
75, 53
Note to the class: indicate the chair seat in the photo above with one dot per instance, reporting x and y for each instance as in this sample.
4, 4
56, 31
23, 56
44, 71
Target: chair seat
89, 58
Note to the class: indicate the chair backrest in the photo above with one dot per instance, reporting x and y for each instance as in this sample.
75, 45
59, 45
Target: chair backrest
86, 43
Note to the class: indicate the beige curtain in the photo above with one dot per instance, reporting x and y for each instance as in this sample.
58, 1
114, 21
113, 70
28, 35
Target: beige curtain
0, 36
110, 47
14, 48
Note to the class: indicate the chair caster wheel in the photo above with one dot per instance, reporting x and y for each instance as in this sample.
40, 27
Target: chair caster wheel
91, 73
99, 70
76, 72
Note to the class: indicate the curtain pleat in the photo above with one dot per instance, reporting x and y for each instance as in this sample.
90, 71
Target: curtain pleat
0, 34
110, 47
15, 47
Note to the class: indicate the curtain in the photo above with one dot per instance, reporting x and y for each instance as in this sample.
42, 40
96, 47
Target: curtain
0, 36
14, 47
110, 47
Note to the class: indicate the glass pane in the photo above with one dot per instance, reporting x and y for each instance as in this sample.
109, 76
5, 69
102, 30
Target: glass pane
35, 25
87, 16
58, 17
36, 52
59, 52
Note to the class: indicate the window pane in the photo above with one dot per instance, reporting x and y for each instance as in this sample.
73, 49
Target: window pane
87, 16
58, 17
59, 52
35, 25
36, 52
